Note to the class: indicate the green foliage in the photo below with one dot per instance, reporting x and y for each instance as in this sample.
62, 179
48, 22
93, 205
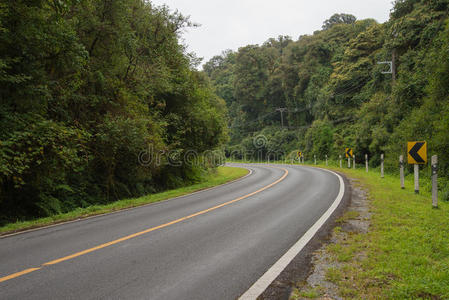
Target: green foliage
404, 255
270, 143
339, 19
85, 87
212, 178
335, 92
319, 139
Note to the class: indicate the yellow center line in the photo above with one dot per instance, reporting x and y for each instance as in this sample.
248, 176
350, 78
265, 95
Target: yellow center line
56, 261
18, 274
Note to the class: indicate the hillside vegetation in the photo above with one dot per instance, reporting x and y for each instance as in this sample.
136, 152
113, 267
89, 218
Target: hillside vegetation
334, 90
86, 86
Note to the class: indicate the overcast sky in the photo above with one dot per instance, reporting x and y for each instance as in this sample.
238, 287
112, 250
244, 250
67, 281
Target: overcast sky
235, 23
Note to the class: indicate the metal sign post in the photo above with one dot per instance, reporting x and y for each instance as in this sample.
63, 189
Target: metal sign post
416, 171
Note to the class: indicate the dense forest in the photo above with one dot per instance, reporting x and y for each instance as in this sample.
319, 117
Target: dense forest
89, 86
335, 92
85, 87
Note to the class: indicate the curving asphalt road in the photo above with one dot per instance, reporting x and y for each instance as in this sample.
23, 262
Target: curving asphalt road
209, 245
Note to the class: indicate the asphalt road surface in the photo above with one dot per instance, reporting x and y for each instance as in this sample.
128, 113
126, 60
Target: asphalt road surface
209, 245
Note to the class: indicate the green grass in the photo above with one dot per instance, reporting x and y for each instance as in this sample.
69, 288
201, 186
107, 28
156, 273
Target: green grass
311, 293
406, 251
222, 175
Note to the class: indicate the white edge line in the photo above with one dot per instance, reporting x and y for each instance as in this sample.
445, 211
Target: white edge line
263, 282
126, 209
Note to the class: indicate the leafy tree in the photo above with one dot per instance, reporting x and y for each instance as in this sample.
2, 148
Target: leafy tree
335, 92
338, 19
319, 139
85, 87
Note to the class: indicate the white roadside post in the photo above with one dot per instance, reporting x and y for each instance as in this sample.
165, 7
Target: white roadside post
349, 163
435, 181
314, 157
326, 160
353, 162
341, 165
366, 162
416, 171
381, 166
401, 170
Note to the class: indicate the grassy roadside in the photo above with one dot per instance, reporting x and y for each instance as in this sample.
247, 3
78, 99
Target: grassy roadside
221, 176
405, 253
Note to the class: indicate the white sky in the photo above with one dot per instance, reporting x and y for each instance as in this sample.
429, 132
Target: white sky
236, 23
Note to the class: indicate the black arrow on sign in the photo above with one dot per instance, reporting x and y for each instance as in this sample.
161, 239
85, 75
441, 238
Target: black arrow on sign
414, 152
349, 152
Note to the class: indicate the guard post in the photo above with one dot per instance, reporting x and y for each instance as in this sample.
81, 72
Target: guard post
382, 166
366, 162
401, 170
435, 181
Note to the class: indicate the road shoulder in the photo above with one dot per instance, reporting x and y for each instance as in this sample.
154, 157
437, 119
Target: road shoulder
225, 175
320, 282
299, 268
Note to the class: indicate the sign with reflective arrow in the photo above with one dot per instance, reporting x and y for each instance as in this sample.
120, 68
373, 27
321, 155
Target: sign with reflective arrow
299, 154
417, 153
349, 153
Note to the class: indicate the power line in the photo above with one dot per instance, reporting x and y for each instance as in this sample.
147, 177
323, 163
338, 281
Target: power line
290, 110
253, 121
352, 89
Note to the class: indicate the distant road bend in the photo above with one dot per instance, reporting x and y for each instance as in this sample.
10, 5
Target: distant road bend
214, 244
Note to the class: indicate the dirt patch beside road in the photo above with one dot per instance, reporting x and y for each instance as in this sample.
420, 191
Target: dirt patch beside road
328, 260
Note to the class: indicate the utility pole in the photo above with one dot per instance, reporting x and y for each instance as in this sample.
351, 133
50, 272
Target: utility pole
282, 110
393, 65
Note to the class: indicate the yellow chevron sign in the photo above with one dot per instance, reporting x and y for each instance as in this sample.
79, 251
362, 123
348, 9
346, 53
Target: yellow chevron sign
299, 154
417, 153
349, 153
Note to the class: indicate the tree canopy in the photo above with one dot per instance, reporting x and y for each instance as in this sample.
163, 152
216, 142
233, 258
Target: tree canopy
339, 19
334, 90
85, 87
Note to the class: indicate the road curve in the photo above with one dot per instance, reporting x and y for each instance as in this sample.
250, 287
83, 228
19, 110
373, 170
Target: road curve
210, 245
